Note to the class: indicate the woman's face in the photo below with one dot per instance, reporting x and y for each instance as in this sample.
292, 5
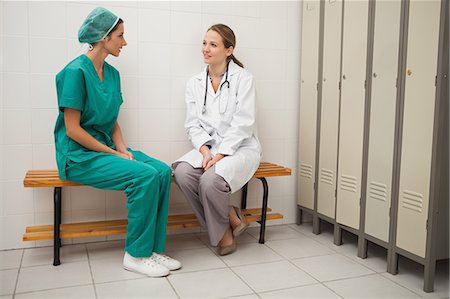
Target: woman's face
213, 50
115, 41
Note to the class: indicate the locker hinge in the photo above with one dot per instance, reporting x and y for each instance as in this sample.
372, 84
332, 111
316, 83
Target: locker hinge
315, 186
317, 86
360, 201
435, 80
365, 83
335, 193
339, 85
396, 82
427, 224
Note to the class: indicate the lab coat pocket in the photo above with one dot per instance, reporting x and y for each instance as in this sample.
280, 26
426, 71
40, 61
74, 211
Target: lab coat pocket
227, 107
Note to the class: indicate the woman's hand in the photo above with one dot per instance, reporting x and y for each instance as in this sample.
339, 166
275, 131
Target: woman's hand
124, 153
204, 150
213, 161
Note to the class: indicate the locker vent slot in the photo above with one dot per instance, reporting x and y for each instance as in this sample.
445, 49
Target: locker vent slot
412, 200
349, 183
306, 170
377, 191
326, 176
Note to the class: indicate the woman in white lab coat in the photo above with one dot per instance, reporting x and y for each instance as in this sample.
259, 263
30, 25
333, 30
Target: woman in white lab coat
220, 122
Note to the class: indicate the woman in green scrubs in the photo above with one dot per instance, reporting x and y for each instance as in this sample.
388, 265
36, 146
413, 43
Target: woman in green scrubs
90, 148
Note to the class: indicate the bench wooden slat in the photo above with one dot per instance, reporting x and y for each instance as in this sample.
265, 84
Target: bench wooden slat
114, 227
50, 178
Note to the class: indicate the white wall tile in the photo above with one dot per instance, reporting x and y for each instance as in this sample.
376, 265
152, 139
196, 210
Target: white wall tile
87, 198
127, 63
128, 120
189, 6
186, 28
47, 55
16, 54
178, 133
274, 9
43, 91
177, 92
77, 12
151, 125
44, 156
246, 8
189, 57
44, 202
154, 59
16, 90
211, 19
12, 229
270, 94
43, 124
115, 200
20, 199
15, 17
248, 32
154, 26
272, 33
161, 5
217, 7
17, 161
130, 92
17, 126
129, 16
158, 150
48, 20
154, 93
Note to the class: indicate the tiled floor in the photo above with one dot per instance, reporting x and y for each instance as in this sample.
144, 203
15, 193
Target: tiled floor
293, 263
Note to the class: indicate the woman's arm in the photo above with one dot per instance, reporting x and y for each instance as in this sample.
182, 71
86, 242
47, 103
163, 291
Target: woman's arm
117, 138
76, 132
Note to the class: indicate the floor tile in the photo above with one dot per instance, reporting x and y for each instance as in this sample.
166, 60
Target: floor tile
11, 297
136, 288
370, 286
331, 267
51, 277
178, 242
273, 276
196, 260
107, 270
44, 255
251, 296
276, 232
209, 284
106, 250
85, 292
10, 259
411, 275
251, 253
309, 291
300, 247
8, 281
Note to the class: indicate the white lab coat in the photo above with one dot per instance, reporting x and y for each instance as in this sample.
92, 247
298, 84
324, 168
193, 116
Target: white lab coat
228, 125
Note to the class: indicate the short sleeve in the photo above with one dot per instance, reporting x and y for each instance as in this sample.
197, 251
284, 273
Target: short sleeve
71, 89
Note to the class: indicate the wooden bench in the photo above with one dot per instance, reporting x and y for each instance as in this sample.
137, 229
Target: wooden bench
58, 231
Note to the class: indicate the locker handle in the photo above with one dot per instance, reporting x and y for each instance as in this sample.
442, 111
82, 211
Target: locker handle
409, 72
344, 77
375, 75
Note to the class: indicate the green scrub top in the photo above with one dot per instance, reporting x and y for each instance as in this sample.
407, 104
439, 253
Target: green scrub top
79, 87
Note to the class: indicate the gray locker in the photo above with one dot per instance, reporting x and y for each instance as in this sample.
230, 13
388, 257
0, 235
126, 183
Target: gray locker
351, 124
420, 230
308, 103
382, 118
329, 110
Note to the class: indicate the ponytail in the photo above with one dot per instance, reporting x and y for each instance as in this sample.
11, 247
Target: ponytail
228, 38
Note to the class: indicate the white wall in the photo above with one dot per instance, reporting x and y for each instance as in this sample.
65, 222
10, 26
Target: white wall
164, 41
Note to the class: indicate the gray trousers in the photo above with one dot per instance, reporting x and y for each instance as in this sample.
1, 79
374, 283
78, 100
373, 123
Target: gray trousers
209, 195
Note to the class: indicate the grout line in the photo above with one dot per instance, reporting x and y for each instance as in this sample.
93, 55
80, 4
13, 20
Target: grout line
172, 286
90, 271
18, 273
44, 290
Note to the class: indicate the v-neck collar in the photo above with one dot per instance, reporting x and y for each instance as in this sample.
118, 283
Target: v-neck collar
91, 65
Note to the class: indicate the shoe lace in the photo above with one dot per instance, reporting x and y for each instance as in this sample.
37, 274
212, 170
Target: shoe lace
161, 257
151, 261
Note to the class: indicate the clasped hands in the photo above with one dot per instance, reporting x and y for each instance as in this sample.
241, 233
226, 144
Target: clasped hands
209, 161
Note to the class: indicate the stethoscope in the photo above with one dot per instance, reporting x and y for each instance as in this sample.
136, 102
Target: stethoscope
226, 82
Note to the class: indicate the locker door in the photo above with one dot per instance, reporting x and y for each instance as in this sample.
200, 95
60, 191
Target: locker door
351, 128
308, 103
418, 116
329, 123
382, 118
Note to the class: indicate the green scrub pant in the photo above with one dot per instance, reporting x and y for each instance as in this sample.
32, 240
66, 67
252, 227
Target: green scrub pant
146, 182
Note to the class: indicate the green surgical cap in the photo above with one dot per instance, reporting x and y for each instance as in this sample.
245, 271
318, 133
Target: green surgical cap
97, 25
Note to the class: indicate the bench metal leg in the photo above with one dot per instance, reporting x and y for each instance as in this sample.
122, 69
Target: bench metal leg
57, 196
262, 231
244, 196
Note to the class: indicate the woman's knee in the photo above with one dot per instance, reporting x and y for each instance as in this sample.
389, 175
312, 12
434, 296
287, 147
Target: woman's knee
212, 182
182, 173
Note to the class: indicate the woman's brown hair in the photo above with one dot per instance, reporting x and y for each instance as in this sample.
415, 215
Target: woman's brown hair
228, 38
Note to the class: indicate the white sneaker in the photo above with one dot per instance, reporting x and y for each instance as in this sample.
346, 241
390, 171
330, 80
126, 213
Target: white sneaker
144, 265
168, 262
